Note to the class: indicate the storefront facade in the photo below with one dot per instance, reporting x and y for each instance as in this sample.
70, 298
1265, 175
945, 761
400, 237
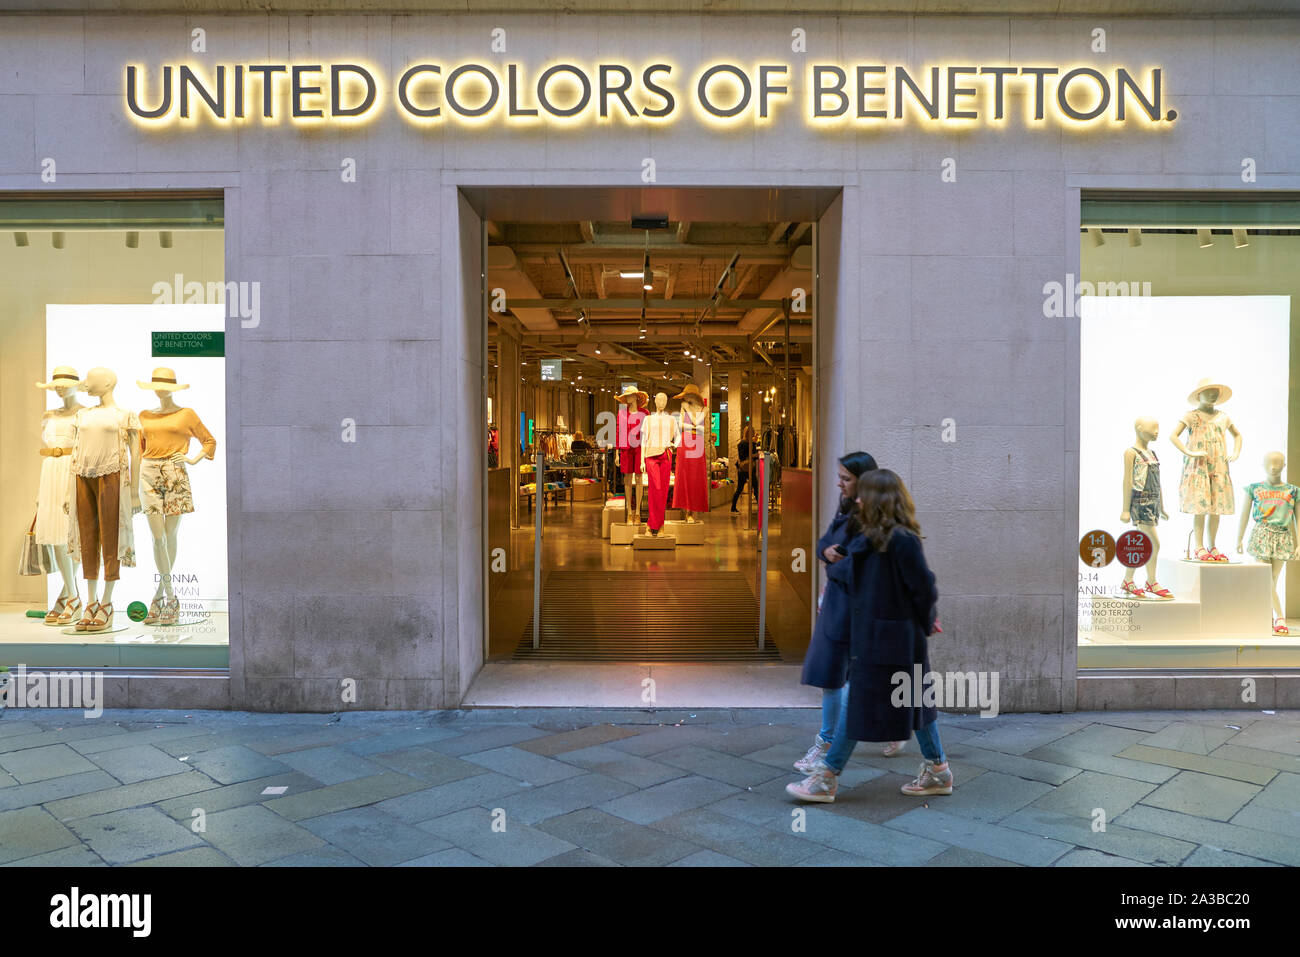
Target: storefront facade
960, 152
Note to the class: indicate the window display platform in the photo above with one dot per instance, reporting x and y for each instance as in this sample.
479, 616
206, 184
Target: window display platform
198, 641
1265, 651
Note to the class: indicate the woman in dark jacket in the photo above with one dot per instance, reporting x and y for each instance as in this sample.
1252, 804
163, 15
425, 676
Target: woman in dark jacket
826, 665
893, 610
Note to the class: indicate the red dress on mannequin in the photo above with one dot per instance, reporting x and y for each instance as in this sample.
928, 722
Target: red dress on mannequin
691, 487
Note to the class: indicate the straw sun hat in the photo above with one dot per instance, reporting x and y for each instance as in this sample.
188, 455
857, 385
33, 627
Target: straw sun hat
164, 380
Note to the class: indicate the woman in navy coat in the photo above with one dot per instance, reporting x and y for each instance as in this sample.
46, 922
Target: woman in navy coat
826, 665
893, 606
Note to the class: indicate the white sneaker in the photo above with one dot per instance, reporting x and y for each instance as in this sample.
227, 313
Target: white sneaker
818, 751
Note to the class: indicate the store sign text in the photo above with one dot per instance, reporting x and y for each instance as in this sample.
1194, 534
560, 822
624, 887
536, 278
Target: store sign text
429, 93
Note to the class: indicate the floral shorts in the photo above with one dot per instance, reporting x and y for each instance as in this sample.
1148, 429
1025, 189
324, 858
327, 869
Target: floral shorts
165, 488
1268, 542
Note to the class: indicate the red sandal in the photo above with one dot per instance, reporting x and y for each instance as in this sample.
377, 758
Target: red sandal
1132, 590
1204, 555
1280, 628
1159, 591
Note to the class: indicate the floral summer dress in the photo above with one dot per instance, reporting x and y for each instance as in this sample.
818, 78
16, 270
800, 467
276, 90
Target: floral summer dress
1206, 486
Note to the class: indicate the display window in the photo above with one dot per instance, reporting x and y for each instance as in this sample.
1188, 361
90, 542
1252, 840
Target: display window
114, 434
1188, 539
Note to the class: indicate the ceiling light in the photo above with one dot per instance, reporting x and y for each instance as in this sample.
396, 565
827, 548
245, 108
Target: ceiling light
631, 274
579, 376
1097, 238
56, 240
647, 280
132, 239
20, 239
1203, 235
165, 239
686, 352
597, 350
1135, 236
1239, 239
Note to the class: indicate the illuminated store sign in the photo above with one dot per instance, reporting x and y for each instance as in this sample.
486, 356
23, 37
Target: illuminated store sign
431, 92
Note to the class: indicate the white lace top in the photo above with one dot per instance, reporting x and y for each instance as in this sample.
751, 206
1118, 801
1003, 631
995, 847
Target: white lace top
101, 440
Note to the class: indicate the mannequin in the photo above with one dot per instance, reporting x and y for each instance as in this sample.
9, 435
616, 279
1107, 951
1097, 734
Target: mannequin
1272, 504
659, 434
105, 471
691, 491
54, 505
1206, 486
1144, 503
630, 417
165, 484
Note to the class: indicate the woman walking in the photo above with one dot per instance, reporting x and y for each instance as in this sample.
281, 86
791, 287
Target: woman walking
743, 451
826, 665
893, 599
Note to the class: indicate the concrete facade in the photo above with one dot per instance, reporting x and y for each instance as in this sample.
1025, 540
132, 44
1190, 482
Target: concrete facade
364, 560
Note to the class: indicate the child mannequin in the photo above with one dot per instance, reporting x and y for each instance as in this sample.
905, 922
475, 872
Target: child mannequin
1144, 504
1274, 537
1206, 486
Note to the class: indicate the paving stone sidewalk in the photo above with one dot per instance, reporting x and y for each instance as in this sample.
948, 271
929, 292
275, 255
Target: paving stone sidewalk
563, 787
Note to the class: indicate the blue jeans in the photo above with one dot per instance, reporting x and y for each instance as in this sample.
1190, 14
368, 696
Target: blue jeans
833, 702
842, 745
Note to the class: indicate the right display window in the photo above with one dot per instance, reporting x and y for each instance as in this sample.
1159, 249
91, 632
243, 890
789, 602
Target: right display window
1189, 550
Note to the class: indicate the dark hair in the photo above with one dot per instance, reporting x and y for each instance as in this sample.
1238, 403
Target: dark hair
885, 506
856, 463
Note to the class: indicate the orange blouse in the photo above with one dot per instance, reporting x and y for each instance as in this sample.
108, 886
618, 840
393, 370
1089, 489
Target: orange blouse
169, 433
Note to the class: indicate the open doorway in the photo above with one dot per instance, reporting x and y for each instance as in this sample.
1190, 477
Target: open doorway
697, 306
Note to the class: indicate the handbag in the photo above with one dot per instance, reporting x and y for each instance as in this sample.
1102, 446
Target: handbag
35, 559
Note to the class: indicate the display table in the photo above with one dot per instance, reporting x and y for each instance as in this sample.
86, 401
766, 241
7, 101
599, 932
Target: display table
621, 533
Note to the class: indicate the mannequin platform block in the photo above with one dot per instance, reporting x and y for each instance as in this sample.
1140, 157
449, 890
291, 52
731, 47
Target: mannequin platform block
686, 533
620, 533
663, 541
674, 515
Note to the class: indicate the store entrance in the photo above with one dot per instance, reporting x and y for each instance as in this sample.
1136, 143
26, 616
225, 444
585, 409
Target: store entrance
641, 345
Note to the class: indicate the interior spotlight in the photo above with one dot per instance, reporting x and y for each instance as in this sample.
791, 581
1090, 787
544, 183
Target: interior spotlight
1203, 235
20, 239
1097, 238
165, 239
647, 280
1134, 236
597, 350
56, 240
1239, 239
132, 240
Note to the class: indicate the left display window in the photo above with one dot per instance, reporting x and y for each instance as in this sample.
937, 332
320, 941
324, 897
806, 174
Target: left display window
113, 433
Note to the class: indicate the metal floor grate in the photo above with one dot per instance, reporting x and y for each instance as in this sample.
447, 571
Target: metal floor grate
640, 616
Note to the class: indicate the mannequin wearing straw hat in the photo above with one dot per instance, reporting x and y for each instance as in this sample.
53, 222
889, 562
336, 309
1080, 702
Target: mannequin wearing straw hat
1206, 486
691, 488
659, 434
54, 504
105, 470
165, 483
628, 441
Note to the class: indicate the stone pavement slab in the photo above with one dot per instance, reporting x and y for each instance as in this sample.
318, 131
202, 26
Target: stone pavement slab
1252, 773
1095, 859
374, 837
617, 840
254, 835
358, 792
993, 795
191, 857
42, 763
1116, 839
524, 766
737, 839
150, 791
422, 804
945, 828
1083, 794
554, 744
30, 831
718, 765
24, 795
1203, 795
139, 762
1246, 841
614, 763
120, 837
571, 794
220, 798
425, 764
329, 765
655, 803
512, 844
235, 763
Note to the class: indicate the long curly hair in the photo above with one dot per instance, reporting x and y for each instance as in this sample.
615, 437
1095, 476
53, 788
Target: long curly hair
884, 504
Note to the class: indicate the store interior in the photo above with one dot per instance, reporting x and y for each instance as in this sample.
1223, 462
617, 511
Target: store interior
1187, 293
81, 288
698, 311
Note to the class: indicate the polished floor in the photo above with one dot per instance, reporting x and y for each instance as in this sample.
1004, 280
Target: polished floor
697, 592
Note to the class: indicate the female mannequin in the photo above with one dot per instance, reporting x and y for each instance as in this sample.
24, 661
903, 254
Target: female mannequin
1144, 503
1272, 504
1206, 486
54, 504
630, 417
105, 470
165, 483
691, 490
659, 433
